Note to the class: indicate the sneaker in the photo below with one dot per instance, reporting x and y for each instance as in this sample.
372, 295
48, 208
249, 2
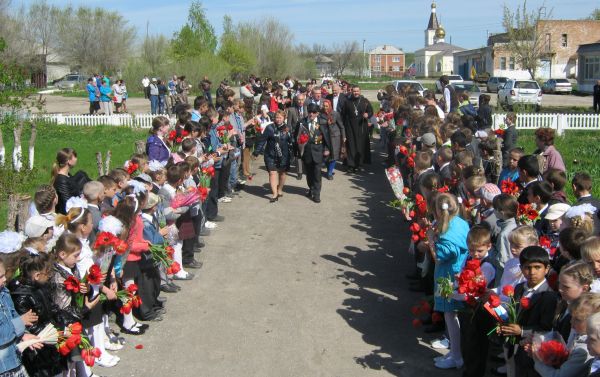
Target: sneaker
440, 358
106, 361
449, 363
241, 181
112, 346
440, 344
115, 357
224, 199
210, 225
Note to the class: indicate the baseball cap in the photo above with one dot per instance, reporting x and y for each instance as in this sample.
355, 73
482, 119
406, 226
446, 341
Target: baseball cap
152, 201
36, 226
489, 191
428, 139
556, 211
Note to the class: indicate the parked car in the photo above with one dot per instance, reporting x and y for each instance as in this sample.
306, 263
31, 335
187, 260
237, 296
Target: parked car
71, 81
520, 92
557, 86
469, 87
494, 82
482, 77
413, 86
451, 80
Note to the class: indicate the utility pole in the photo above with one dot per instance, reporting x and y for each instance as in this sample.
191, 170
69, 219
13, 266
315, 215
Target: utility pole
362, 66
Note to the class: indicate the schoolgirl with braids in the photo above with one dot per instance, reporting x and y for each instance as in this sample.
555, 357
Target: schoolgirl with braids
575, 279
60, 179
449, 239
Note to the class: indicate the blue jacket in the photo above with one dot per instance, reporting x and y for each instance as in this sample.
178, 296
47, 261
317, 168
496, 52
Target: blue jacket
157, 150
451, 252
105, 93
12, 329
151, 233
215, 143
91, 93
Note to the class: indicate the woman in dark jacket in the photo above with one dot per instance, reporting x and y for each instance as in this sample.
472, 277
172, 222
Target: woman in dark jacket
337, 132
276, 144
63, 182
484, 113
156, 147
31, 293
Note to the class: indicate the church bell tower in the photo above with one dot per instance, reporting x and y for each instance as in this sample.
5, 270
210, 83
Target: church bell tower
432, 27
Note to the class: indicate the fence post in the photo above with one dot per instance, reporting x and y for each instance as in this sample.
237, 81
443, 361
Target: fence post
561, 124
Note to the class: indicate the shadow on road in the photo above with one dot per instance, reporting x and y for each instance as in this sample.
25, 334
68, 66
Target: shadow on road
379, 303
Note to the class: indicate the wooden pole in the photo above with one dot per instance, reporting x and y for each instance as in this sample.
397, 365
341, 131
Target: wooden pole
107, 164
99, 164
32, 145
17, 153
2, 150
23, 202
13, 210
140, 146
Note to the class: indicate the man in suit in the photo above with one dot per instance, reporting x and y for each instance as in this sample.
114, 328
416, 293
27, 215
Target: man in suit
316, 97
337, 98
316, 148
294, 115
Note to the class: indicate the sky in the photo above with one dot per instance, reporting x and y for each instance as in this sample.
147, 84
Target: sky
400, 23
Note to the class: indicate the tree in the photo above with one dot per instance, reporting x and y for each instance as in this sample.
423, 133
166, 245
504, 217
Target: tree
197, 36
154, 49
240, 57
342, 56
595, 15
525, 35
42, 26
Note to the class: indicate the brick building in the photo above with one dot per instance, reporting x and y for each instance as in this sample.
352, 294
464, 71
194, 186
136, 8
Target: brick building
386, 61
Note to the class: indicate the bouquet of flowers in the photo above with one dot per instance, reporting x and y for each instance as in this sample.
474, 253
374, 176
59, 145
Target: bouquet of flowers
410, 160
499, 132
205, 176
506, 312
471, 282
550, 349
527, 214
164, 254
106, 240
73, 337
128, 298
223, 132
175, 140
302, 139
418, 233
49, 335
509, 187
424, 308
185, 199
131, 168
445, 287
546, 243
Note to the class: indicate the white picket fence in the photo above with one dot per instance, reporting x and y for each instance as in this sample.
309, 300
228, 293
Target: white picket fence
118, 120
559, 122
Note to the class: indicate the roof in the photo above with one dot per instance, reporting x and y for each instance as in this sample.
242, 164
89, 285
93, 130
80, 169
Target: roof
323, 59
589, 47
433, 23
386, 50
443, 47
476, 51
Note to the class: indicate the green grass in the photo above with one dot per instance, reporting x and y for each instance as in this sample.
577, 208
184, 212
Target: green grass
85, 140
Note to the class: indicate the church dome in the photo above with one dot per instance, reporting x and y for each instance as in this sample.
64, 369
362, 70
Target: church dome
433, 6
440, 33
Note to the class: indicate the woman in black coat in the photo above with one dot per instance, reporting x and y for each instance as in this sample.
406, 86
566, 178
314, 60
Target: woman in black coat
65, 184
276, 144
333, 120
484, 113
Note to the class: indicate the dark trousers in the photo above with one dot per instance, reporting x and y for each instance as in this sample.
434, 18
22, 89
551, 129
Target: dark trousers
224, 180
208, 97
597, 104
313, 177
187, 250
475, 343
148, 282
212, 204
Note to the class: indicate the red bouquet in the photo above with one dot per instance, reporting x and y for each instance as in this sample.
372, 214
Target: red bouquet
164, 254
72, 284
131, 167
418, 233
73, 337
303, 139
94, 275
509, 187
550, 349
471, 282
107, 239
527, 215
499, 132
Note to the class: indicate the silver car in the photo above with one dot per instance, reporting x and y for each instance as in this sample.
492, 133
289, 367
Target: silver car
494, 82
408, 85
520, 92
71, 81
556, 86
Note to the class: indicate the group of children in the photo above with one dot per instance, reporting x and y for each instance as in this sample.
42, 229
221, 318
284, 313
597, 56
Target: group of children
471, 194
116, 245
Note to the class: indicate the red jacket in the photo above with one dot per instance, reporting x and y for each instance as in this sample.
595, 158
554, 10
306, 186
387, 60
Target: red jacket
135, 240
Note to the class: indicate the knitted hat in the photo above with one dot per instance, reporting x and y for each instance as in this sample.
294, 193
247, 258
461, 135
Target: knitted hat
488, 192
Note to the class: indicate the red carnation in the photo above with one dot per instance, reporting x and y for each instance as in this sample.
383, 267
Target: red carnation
178, 140
175, 267
473, 264
425, 307
553, 353
94, 275
75, 328
303, 139
494, 301
220, 128
403, 150
103, 239
508, 290
525, 302
72, 284
229, 127
126, 308
63, 349
415, 310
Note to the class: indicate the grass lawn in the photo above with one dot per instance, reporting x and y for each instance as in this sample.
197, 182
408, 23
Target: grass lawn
580, 151
85, 140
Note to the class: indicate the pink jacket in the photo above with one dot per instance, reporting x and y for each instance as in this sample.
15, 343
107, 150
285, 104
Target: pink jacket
552, 159
137, 243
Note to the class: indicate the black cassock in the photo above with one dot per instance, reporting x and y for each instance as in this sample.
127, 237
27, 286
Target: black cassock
358, 148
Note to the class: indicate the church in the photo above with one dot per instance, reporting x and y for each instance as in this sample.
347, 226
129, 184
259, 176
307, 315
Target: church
437, 57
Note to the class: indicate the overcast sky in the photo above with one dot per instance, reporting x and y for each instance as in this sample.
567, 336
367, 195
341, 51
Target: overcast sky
398, 22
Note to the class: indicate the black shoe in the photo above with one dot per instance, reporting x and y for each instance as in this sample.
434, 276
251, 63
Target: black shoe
309, 194
193, 264
160, 311
316, 199
168, 288
330, 177
198, 249
173, 285
436, 327
273, 200
217, 219
205, 232
160, 301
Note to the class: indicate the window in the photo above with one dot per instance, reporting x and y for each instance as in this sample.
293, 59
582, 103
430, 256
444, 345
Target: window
377, 68
591, 68
564, 41
438, 67
511, 64
396, 68
503, 63
548, 40
377, 59
395, 59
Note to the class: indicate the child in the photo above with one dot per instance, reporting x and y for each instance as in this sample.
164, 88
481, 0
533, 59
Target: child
158, 174
575, 279
33, 294
475, 325
576, 365
536, 309
555, 217
529, 172
506, 209
93, 193
121, 178
110, 190
45, 200
509, 140
443, 159
39, 231
582, 216
582, 188
450, 253
486, 151
519, 238
485, 211
422, 168
590, 253
13, 330
511, 170
570, 241
593, 344
557, 180
539, 194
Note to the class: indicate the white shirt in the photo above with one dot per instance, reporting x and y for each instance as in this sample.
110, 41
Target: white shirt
595, 288
145, 82
512, 275
447, 99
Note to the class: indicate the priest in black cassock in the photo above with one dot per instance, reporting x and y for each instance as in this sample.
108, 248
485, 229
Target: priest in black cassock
356, 113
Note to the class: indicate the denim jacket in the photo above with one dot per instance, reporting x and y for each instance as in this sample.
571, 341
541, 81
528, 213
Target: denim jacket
12, 328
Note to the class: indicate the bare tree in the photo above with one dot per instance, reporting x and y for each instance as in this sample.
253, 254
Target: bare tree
154, 50
526, 36
342, 55
42, 26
